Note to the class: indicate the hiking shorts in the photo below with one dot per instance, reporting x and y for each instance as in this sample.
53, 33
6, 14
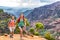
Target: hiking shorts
11, 29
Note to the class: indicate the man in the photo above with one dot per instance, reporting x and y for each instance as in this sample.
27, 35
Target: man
11, 26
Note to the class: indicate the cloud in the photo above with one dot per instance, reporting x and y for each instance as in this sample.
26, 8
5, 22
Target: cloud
10, 3
31, 3
49, 1
46, 0
25, 3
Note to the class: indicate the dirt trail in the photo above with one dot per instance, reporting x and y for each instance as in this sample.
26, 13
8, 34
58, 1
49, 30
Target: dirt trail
17, 37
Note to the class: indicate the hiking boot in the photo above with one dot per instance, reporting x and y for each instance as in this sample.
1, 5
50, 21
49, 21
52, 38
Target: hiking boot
11, 36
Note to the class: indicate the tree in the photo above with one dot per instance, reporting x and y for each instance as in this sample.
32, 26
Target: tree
39, 26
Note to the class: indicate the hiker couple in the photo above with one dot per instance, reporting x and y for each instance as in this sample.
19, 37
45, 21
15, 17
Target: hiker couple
21, 24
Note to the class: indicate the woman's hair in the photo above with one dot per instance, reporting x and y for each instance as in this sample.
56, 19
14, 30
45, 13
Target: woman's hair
20, 17
21, 14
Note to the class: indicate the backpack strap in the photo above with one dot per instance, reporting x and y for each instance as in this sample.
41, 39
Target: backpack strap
9, 20
18, 20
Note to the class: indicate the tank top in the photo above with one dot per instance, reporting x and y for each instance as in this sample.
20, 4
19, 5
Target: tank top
11, 23
21, 23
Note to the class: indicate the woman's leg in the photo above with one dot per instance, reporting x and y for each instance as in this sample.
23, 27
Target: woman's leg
24, 29
13, 28
21, 32
11, 33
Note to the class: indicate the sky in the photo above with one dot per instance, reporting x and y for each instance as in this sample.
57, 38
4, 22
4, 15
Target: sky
26, 3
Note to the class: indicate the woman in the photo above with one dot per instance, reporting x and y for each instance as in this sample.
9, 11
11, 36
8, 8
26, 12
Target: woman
21, 24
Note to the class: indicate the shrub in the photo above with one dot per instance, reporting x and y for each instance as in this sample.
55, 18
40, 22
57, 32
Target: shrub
39, 26
36, 33
48, 36
32, 30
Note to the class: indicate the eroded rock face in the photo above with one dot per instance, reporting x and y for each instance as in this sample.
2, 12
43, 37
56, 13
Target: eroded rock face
45, 12
4, 18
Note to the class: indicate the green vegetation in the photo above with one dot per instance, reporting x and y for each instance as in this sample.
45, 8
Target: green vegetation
35, 31
32, 30
27, 22
38, 30
1, 10
39, 26
4, 18
17, 31
48, 36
